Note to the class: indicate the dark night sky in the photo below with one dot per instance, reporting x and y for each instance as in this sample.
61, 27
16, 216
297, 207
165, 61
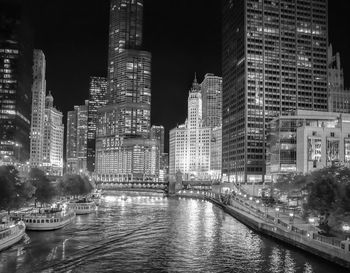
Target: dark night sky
184, 36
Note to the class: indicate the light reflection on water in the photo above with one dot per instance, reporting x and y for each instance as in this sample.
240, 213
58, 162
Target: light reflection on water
155, 234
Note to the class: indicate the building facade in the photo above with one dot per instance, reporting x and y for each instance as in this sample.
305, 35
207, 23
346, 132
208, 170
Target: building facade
211, 89
82, 131
123, 127
164, 167
190, 142
38, 109
76, 142
338, 96
274, 61
52, 156
16, 58
216, 153
97, 99
157, 133
71, 143
303, 141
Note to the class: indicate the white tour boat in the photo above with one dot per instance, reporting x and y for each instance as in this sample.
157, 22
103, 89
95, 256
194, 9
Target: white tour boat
83, 206
11, 233
49, 219
96, 197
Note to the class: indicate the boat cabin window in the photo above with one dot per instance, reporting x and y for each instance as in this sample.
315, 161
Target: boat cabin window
47, 221
42, 221
51, 220
34, 221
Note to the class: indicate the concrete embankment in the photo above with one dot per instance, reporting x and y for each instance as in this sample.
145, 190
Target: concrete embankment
331, 250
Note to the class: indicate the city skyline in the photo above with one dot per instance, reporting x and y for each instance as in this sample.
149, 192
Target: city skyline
188, 137
173, 75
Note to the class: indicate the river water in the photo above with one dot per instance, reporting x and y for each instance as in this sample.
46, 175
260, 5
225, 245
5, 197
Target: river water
156, 234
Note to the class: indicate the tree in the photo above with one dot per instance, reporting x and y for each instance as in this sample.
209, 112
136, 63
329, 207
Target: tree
73, 185
329, 197
45, 191
328, 194
14, 192
292, 182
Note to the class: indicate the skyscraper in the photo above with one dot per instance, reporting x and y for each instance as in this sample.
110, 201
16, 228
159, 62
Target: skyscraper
82, 131
211, 89
76, 142
16, 58
129, 70
274, 61
53, 139
71, 142
190, 142
38, 109
124, 150
338, 96
97, 99
157, 133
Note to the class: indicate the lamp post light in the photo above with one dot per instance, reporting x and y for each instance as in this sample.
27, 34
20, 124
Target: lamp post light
346, 228
312, 221
277, 210
291, 217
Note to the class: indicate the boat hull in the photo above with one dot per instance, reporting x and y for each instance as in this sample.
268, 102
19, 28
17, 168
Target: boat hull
49, 226
83, 208
4, 244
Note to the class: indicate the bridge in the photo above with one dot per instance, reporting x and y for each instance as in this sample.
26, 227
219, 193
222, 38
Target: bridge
140, 186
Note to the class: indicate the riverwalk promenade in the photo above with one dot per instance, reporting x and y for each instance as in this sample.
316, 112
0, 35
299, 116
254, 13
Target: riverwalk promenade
281, 225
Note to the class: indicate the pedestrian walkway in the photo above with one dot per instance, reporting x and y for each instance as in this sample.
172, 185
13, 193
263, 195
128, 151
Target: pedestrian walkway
284, 217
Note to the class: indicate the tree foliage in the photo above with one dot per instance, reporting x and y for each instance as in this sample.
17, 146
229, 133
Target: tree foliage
72, 184
328, 194
44, 190
14, 192
292, 182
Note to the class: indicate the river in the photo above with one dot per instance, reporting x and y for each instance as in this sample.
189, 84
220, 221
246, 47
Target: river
156, 234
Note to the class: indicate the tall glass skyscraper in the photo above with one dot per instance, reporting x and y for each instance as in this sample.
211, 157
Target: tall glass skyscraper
97, 99
124, 150
274, 61
76, 141
16, 58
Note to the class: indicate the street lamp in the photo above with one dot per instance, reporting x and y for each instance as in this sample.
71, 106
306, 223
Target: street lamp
277, 211
346, 228
291, 217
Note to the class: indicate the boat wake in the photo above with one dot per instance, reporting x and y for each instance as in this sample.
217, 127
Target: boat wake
89, 254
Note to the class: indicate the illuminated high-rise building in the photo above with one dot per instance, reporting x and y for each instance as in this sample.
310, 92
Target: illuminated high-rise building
71, 142
338, 96
124, 150
16, 58
97, 99
157, 133
76, 142
190, 142
82, 131
38, 109
211, 89
274, 61
52, 158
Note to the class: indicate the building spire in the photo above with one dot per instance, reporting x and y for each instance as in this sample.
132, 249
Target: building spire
195, 85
